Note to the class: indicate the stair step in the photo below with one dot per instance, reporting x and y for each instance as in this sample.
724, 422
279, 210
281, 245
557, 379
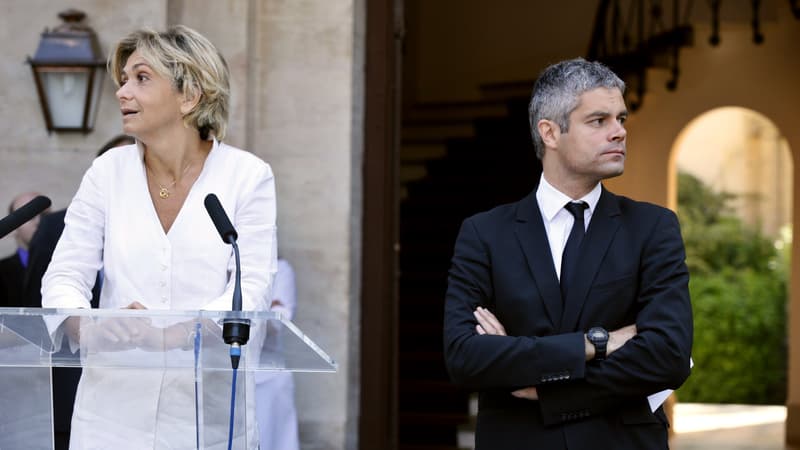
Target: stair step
420, 153
433, 418
431, 447
438, 111
504, 90
409, 173
427, 133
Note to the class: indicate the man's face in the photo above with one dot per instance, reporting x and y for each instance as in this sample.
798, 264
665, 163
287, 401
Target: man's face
594, 147
24, 233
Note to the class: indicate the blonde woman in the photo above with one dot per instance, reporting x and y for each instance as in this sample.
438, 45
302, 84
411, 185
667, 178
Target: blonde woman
139, 215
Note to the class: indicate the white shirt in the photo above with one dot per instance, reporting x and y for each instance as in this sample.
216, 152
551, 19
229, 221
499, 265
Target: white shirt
557, 220
112, 223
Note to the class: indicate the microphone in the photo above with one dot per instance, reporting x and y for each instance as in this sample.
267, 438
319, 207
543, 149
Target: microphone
220, 219
235, 331
23, 214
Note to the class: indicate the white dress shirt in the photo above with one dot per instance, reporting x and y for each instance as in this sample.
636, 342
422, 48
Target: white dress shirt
557, 220
112, 224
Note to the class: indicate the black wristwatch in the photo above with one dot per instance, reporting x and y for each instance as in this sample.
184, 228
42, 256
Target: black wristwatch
599, 338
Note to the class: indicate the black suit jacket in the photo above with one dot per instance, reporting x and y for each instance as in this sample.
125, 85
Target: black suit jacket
12, 275
631, 270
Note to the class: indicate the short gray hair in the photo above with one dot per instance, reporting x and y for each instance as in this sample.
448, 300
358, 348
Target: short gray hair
558, 88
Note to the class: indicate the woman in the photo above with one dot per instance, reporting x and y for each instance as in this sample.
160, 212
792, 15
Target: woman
139, 216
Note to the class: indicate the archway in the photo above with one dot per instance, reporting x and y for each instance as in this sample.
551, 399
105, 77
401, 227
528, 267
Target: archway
740, 151
736, 157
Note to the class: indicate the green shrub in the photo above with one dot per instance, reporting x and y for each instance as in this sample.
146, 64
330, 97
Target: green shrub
739, 338
738, 287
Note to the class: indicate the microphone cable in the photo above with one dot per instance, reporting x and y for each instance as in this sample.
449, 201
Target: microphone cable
233, 408
197, 375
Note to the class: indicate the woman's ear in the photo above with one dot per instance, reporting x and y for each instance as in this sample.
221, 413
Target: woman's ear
190, 101
549, 131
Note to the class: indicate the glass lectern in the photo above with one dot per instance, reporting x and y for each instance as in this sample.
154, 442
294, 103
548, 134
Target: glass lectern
176, 361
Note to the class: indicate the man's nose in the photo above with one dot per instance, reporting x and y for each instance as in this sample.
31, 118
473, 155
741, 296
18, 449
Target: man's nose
619, 132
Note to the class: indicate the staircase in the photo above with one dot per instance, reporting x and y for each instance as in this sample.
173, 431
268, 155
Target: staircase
456, 159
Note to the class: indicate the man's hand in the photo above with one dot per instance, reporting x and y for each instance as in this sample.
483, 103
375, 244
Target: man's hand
618, 338
528, 393
488, 324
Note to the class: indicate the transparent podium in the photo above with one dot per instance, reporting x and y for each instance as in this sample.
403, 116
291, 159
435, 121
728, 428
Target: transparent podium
168, 372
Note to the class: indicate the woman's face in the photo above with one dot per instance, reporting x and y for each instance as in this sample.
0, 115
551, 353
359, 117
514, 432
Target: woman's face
150, 105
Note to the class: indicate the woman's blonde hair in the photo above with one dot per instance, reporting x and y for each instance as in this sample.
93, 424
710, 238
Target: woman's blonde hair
192, 63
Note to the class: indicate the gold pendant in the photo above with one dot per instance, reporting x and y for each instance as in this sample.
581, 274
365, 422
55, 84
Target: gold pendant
163, 193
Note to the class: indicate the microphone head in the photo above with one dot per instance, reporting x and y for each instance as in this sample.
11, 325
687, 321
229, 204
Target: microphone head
23, 214
220, 219
38, 204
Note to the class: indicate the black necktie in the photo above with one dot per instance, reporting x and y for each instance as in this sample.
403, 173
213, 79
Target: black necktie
570, 256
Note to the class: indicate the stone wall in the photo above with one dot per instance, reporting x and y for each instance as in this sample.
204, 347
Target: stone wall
30, 158
296, 72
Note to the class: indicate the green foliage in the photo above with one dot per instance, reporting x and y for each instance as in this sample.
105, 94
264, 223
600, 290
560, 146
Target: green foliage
738, 287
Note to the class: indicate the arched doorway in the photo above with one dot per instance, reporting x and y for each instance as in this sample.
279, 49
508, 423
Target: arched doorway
742, 152
731, 181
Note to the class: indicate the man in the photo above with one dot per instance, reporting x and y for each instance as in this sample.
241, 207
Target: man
565, 356
12, 268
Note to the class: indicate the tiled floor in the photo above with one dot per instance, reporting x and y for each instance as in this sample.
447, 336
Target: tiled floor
728, 427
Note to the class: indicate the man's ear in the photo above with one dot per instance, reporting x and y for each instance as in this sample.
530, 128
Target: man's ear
549, 131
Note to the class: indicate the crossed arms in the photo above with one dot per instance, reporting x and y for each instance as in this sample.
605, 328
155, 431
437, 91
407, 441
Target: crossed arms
525, 354
488, 324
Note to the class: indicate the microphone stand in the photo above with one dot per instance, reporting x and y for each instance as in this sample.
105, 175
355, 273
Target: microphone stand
236, 330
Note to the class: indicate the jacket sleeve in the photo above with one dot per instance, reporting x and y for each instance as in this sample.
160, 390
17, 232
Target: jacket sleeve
483, 361
657, 358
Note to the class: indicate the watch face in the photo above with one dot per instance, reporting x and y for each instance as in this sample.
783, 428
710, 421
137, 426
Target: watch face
596, 334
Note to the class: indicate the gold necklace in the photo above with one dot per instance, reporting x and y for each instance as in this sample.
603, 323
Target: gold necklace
163, 191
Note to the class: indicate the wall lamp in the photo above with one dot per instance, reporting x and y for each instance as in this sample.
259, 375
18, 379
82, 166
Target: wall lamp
68, 70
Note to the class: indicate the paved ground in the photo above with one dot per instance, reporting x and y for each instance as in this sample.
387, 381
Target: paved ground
728, 427
715, 427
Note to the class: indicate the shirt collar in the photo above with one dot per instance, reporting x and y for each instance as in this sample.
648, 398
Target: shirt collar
552, 201
23, 256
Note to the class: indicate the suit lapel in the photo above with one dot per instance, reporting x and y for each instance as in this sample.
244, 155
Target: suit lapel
532, 237
601, 231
